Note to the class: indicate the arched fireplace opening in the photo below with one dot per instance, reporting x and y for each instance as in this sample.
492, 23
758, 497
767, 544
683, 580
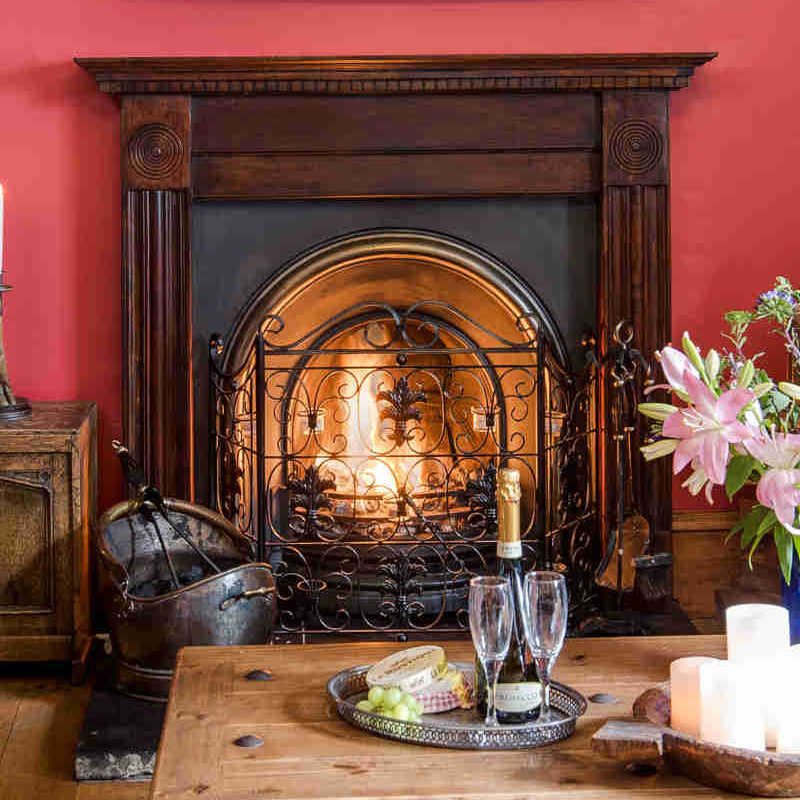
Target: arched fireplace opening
362, 404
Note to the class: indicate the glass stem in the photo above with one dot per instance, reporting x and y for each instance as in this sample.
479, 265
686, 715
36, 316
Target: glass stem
543, 670
492, 670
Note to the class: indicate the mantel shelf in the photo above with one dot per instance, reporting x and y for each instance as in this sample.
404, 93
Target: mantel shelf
394, 74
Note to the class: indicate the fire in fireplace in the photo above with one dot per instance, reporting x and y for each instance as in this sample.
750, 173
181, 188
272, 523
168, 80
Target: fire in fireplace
361, 408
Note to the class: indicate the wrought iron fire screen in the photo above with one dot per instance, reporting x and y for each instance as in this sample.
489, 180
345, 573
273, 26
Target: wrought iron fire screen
361, 459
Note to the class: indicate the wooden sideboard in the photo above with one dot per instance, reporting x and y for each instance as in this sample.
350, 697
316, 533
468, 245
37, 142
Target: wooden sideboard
47, 505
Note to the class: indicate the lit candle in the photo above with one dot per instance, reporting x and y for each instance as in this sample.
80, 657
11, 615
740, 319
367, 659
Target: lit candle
787, 739
758, 640
731, 712
684, 689
756, 631
782, 704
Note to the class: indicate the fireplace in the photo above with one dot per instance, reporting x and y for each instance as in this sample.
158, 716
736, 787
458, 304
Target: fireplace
361, 407
244, 136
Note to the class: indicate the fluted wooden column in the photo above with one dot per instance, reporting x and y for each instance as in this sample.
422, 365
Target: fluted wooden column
157, 396
635, 270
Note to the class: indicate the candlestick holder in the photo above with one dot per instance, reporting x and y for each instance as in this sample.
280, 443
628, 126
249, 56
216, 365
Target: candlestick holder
11, 407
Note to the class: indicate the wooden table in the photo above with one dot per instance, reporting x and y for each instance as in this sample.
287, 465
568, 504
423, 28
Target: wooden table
310, 753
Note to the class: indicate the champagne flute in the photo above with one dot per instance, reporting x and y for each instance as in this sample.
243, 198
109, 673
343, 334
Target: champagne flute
490, 616
545, 618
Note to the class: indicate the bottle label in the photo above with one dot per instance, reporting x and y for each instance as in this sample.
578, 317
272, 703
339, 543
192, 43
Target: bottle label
512, 549
516, 698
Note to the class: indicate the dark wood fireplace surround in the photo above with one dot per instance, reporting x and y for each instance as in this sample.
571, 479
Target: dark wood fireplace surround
397, 127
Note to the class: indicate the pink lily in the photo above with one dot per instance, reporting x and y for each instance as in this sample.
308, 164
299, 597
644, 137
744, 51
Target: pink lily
675, 365
696, 481
707, 427
779, 487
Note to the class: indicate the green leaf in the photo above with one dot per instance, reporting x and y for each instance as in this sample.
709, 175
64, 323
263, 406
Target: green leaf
750, 525
785, 548
779, 400
735, 528
768, 521
739, 469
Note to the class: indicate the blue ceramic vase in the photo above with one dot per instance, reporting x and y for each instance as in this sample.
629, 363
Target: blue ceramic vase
791, 600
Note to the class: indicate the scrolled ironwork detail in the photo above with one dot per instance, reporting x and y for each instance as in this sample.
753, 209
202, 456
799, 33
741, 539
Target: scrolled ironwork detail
362, 456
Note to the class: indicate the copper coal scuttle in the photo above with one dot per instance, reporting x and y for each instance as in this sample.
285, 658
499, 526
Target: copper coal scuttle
174, 574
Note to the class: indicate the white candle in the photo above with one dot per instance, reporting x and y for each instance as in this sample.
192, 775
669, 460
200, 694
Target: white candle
782, 703
731, 711
756, 631
787, 739
684, 689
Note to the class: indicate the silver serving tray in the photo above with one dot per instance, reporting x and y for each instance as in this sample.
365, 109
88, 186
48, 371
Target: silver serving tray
459, 729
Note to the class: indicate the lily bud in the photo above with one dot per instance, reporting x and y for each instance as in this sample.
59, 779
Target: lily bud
658, 449
790, 389
659, 411
712, 364
746, 375
760, 389
693, 354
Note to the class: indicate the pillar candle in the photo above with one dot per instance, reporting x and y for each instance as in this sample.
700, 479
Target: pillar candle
731, 711
783, 703
756, 631
787, 739
684, 688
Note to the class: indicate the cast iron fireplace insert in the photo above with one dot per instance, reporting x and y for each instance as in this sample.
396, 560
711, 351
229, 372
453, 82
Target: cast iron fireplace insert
357, 429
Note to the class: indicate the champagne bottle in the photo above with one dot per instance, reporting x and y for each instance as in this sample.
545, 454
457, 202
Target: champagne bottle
518, 692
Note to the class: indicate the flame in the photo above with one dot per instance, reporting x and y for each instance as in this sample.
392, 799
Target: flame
382, 470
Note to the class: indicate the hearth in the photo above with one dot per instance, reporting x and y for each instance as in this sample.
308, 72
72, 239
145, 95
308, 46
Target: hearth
358, 427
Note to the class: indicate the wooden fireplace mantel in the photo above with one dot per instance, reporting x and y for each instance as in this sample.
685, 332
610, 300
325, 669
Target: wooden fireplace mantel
394, 74
195, 129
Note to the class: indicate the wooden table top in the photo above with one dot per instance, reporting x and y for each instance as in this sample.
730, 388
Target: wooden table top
309, 752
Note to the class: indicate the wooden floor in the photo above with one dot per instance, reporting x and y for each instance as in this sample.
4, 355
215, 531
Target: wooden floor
40, 719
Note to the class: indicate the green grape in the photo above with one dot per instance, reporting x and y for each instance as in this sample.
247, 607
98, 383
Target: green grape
418, 707
392, 697
365, 705
401, 712
415, 717
375, 695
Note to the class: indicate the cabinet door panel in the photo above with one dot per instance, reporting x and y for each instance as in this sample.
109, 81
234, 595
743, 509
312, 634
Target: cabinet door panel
28, 603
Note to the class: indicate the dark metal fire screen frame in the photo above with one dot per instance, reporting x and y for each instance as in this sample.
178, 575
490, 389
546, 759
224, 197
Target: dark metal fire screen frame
361, 460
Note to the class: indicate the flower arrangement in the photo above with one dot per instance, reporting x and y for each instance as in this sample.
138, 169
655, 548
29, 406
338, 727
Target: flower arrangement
736, 426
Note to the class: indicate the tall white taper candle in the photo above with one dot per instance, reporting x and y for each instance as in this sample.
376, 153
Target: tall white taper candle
1, 226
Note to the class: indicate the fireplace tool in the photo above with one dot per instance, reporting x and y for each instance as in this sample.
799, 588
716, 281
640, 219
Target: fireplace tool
174, 574
629, 562
11, 407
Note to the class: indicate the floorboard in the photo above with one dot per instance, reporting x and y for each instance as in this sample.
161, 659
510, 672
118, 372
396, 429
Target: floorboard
40, 720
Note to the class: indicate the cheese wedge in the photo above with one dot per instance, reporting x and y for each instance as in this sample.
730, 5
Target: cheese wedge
410, 670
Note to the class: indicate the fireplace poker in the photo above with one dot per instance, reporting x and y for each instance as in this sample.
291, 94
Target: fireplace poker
149, 499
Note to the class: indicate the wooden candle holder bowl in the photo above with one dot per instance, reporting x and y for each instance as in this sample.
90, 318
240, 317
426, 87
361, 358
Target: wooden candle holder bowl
649, 741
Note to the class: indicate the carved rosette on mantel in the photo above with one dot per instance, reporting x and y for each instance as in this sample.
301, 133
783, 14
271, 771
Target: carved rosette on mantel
398, 127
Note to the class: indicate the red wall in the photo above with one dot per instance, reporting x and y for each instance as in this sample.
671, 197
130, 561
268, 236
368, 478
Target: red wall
735, 153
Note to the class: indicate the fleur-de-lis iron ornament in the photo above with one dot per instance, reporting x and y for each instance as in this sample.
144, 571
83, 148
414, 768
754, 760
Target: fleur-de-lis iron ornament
401, 408
309, 492
481, 497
